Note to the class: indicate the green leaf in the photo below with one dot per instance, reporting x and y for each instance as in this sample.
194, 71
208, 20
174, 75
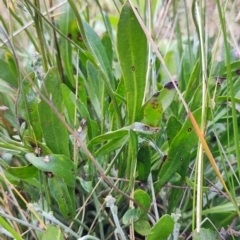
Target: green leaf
142, 227
192, 83
8, 228
157, 104
53, 232
65, 22
69, 105
162, 229
29, 171
95, 89
173, 127
131, 215
6, 88
179, 150
6, 73
28, 108
143, 162
59, 165
61, 193
96, 48
108, 136
111, 146
132, 51
107, 43
142, 198
54, 132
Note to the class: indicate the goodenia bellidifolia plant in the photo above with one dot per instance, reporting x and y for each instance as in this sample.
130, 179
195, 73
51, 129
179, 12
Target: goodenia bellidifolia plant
119, 119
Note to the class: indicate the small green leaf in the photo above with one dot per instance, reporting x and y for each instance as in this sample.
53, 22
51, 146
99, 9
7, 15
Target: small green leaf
28, 108
132, 51
54, 132
162, 229
143, 162
59, 165
142, 198
142, 227
53, 232
157, 104
62, 194
131, 215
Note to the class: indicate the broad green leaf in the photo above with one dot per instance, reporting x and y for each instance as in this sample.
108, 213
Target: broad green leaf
53, 232
107, 43
173, 127
132, 52
179, 150
59, 165
61, 193
37, 147
142, 198
142, 227
6, 73
157, 104
205, 234
131, 215
29, 171
54, 132
162, 229
28, 108
143, 162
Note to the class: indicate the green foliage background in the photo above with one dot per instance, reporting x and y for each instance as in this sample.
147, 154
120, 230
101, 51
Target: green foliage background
95, 139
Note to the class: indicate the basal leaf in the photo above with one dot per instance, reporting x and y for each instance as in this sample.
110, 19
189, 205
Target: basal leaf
173, 127
28, 108
54, 132
59, 165
132, 51
162, 229
61, 193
